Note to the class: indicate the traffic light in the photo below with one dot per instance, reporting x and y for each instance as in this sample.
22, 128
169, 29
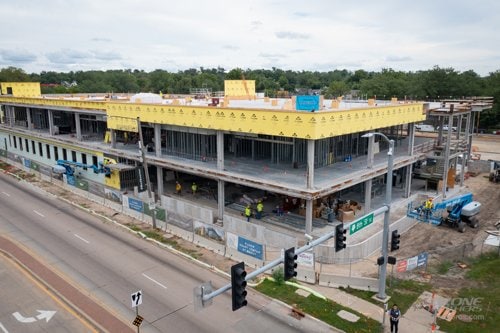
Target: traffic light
395, 240
340, 237
290, 264
238, 285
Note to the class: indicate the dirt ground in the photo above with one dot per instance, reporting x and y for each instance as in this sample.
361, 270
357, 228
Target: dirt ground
447, 246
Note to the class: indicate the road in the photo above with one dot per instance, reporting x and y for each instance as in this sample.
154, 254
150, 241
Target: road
106, 264
27, 306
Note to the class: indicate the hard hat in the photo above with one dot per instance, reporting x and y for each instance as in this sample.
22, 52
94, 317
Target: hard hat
430, 199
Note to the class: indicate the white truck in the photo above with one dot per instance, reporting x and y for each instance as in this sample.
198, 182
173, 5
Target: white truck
425, 128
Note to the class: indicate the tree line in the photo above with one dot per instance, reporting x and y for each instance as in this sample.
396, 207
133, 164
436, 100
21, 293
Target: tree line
433, 84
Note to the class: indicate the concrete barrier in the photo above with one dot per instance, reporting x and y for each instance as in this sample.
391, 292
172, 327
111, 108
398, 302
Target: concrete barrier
209, 244
187, 235
238, 256
113, 205
306, 274
355, 282
187, 209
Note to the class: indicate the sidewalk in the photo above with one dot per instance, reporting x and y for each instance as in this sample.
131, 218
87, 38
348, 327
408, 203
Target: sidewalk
415, 320
366, 308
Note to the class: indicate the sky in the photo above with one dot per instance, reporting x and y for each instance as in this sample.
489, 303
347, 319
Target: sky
71, 35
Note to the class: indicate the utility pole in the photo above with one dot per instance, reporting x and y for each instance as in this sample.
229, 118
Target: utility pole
146, 173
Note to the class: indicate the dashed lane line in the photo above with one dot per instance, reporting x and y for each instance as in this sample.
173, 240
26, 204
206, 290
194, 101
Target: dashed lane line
81, 238
151, 279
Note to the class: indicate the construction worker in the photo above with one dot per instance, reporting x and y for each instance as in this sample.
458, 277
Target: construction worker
394, 316
260, 209
194, 188
178, 188
248, 212
428, 205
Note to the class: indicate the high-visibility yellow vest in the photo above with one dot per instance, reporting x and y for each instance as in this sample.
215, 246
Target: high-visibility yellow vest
248, 211
260, 207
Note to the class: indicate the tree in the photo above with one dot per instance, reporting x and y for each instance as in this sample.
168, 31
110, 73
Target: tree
13, 74
336, 89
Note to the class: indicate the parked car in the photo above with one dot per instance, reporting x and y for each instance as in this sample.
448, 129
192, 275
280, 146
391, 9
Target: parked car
424, 128
445, 128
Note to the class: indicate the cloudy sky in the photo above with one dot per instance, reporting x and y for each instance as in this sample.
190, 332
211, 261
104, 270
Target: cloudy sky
64, 35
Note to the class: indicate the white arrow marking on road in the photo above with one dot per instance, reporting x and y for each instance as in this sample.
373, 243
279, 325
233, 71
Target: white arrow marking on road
44, 314
150, 278
81, 238
3, 328
7, 194
19, 317
38, 213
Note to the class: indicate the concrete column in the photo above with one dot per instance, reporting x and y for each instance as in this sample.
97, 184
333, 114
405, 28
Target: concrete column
440, 132
78, 126
112, 134
309, 216
157, 134
368, 195
220, 150
28, 119
221, 200
159, 179
12, 116
408, 181
447, 153
8, 115
411, 138
369, 157
468, 137
51, 122
310, 166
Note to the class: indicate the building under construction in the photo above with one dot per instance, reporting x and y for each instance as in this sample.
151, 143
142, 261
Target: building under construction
304, 158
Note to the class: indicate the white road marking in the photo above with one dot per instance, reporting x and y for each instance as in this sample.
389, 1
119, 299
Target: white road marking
7, 194
3, 328
38, 213
20, 318
150, 278
81, 238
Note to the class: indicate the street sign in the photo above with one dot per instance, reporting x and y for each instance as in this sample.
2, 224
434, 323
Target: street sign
361, 224
136, 298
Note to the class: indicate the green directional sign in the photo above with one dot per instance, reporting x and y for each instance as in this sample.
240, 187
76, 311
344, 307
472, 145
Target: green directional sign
356, 226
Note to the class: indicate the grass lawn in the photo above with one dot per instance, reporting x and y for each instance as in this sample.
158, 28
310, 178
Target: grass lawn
485, 317
324, 310
403, 292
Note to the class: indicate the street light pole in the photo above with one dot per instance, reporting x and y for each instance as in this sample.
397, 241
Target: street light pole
388, 198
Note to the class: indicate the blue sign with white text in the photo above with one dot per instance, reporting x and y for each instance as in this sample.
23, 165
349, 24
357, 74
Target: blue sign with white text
307, 102
136, 205
250, 248
422, 259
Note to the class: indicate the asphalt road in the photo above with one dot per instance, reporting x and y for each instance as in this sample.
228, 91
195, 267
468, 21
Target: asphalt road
107, 264
28, 308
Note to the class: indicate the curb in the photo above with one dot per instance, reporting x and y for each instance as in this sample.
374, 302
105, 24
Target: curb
56, 293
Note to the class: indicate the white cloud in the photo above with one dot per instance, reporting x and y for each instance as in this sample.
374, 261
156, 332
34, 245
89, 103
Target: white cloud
290, 34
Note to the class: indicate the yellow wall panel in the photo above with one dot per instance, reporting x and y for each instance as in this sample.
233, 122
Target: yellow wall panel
237, 88
22, 89
287, 123
61, 103
305, 125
